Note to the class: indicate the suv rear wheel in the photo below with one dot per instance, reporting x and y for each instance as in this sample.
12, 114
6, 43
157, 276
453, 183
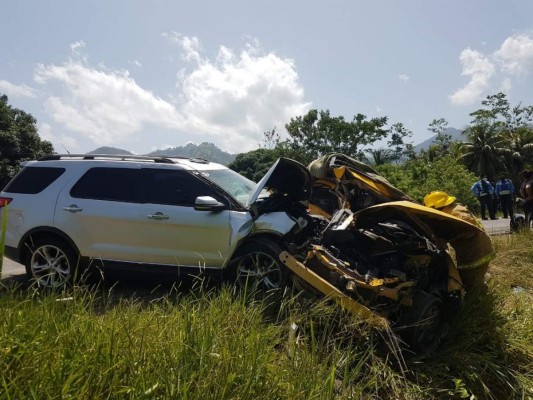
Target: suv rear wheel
51, 263
258, 266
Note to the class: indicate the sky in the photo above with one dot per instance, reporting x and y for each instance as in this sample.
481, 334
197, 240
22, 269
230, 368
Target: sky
146, 75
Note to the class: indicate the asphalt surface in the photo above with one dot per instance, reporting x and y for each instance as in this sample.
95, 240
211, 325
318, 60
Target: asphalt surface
497, 226
16, 272
12, 270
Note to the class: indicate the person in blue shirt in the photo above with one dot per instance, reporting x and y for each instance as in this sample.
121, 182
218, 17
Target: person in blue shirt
484, 192
505, 191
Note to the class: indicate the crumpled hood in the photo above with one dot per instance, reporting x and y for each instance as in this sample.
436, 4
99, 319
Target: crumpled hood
471, 243
444, 225
352, 170
287, 177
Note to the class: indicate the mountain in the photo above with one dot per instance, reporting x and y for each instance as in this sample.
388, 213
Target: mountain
456, 137
207, 151
109, 150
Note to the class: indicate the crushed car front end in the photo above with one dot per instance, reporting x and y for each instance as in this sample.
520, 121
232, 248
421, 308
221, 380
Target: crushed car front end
370, 247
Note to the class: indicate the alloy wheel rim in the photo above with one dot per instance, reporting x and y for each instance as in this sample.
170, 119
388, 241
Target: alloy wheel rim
259, 271
50, 266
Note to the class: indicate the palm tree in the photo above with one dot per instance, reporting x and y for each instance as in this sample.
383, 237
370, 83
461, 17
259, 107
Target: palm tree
520, 144
380, 156
484, 152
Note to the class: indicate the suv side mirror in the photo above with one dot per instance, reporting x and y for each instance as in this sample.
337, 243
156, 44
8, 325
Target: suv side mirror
208, 203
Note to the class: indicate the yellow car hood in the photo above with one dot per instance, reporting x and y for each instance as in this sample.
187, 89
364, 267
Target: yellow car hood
472, 245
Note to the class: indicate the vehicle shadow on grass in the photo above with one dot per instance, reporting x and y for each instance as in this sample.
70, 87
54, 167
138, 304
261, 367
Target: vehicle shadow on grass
116, 286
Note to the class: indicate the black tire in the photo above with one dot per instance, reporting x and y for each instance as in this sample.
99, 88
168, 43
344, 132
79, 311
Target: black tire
422, 326
257, 267
51, 263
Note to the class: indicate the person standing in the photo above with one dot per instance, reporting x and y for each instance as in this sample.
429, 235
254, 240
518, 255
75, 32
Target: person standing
484, 192
443, 202
526, 192
474, 252
504, 192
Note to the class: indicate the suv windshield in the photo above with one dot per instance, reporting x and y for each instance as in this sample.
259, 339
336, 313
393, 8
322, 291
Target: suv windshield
233, 183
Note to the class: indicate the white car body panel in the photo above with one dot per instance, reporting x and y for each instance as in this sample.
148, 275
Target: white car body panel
122, 231
102, 229
187, 238
278, 223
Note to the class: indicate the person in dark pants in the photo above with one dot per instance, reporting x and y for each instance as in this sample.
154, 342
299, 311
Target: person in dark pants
484, 192
504, 192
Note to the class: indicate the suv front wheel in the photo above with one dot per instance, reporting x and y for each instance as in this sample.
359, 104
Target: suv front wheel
258, 267
51, 263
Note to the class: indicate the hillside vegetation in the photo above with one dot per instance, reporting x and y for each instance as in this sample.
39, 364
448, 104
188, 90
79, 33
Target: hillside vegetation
208, 343
205, 150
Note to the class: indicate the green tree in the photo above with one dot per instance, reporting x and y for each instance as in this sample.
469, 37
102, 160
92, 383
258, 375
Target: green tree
399, 147
254, 164
484, 153
520, 142
19, 140
318, 133
510, 142
271, 139
379, 156
418, 177
442, 141
496, 110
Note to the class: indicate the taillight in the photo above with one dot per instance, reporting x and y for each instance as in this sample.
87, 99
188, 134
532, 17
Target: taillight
4, 201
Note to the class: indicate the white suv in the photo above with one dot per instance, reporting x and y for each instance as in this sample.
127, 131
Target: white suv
66, 212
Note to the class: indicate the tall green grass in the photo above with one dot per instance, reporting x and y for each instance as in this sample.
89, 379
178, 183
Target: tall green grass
208, 343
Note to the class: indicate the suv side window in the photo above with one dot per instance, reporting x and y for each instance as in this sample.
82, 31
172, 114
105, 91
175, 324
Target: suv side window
177, 188
112, 184
33, 180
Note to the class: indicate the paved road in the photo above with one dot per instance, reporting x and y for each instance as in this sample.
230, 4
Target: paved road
11, 270
497, 226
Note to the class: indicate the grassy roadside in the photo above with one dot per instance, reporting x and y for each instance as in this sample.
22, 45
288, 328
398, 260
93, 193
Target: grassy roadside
211, 344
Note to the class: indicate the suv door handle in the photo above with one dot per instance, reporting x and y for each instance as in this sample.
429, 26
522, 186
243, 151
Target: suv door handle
157, 215
73, 208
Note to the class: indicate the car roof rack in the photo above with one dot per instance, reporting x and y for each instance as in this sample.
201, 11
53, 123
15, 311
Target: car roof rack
122, 157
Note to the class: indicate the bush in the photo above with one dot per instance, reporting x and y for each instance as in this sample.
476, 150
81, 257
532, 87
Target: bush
419, 177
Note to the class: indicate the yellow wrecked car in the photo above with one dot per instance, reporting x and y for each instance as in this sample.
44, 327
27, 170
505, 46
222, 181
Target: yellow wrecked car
372, 248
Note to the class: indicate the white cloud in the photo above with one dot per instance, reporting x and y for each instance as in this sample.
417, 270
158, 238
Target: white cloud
236, 97
13, 90
62, 143
506, 85
190, 45
403, 77
136, 63
516, 55
229, 100
76, 46
480, 69
45, 132
107, 106
69, 143
514, 58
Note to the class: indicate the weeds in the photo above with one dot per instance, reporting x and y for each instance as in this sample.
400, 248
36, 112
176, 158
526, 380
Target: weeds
209, 343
